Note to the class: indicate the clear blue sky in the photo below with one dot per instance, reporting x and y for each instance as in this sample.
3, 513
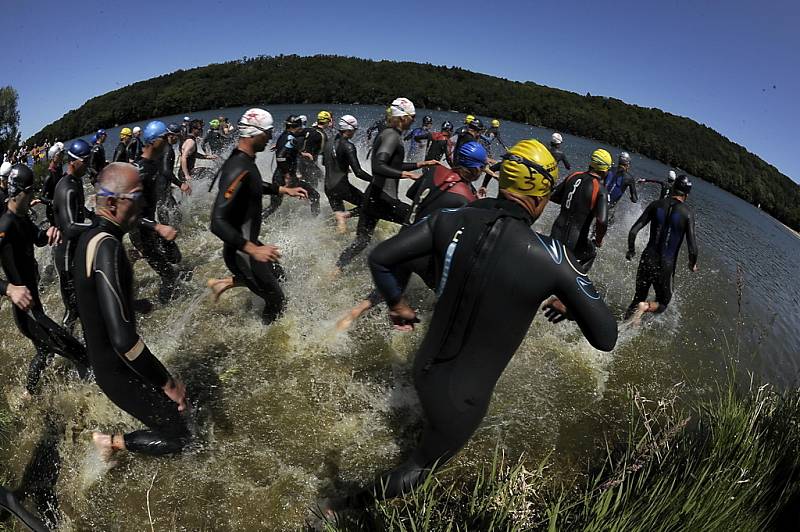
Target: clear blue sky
733, 65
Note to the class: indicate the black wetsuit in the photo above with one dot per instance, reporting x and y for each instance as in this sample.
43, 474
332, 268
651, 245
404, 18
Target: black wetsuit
420, 141
666, 187
121, 153
463, 138
439, 147
134, 149
380, 199
124, 367
54, 174
167, 207
236, 220
344, 158
617, 182
3, 200
97, 161
17, 238
670, 221
583, 199
492, 270
287, 154
72, 219
377, 127
559, 156
159, 253
213, 142
314, 140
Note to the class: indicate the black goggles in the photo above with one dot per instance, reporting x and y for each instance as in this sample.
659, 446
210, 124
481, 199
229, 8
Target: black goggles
530, 165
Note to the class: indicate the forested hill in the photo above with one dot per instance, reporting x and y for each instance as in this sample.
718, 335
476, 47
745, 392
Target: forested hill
674, 140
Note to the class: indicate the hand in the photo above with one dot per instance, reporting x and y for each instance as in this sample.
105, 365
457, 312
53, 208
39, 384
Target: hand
555, 311
20, 296
36, 202
176, 391
307, 155
186, 188
294, 192
262, 253
409, 175
53, 236
166, 232
630, 254
425, 164
482, 192
403, 317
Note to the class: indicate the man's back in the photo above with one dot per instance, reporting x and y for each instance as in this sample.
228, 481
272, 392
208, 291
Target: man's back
583, 198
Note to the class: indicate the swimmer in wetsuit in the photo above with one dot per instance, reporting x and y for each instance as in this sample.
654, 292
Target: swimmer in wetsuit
583, 199
287, 154
376, 129
97, 161
555, 149
617, 182
312, 143
438, 188
121, 152
666, 186
125, 369
493, 270
236, 218
420, 138
55, 171
72, 219
670, 221
344, 159
18, 235
441, 144
388, 167
134, 146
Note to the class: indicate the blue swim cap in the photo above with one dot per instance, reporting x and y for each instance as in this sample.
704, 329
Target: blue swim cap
471, 155
154, 130
79, 149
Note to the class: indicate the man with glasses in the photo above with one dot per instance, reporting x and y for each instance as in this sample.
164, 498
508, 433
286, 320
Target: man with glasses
18, 234
125, 369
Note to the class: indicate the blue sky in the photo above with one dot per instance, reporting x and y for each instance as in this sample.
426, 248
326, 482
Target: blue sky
732, 65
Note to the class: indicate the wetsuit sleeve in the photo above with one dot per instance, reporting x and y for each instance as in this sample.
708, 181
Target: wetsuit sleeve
566, 161
585, 305
271, 189
380, 159
558, 194
283, 157
224, 206
147, 223
119, 318
634, 193
411, 243
65, 217
643, 220
4, 236
409, 136
39, 234
168, 168
355, 166
601, 213
691, 240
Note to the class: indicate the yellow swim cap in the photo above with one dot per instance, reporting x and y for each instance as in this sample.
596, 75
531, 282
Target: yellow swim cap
125, 132
324, 117
528, 169
495, 123
469, 119
600, 161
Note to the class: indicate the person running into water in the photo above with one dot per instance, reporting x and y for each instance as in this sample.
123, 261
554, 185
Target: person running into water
666, 186
671, 220
236, 218
558, 154
441, 144
97, 161
492, 134
492, 270
189, 153
463, 129
72, 219
313, 142
438, 188
617, 182
167, 208
419, 138
344, 159
125, 369
214, 141
121, 152
287, 154
583, 199
18, 235
135, 145
388, 167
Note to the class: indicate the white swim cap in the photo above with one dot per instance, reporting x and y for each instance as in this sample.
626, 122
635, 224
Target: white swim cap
556, 138
402, 107
255, 122
348, 123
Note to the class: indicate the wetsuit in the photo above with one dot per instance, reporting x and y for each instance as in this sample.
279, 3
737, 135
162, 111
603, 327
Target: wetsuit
124, 367
493, 134
213, 142
344, 158
287, 154
617, 182
134, 149
376, 129
559, 156
17, 238
236, 220
3, 199
670, 221
10, 503
97, 161
440, 146
121, 153
314, 140
159, 253
492, 270
420, 138
54, 174
583, 199
463, 138
380, 198
72, 219
167, 207
666, 186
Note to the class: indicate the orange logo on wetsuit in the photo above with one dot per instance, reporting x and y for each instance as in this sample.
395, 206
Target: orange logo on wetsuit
234, 185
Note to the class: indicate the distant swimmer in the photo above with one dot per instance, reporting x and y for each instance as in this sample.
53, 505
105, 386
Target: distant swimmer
189, 153
287, 156
463, 129
381, 201
441, 144
670, 219
18, 235
491, 135
55, 171
167, 208
472, 132
492, 271
97, 161
419, 138
125, 369
135, 145
438, 188
312, 143
618, 181
344, 159
666, 186
121, 151
558, 154
236, 218
214, 141
584, 200
376, 129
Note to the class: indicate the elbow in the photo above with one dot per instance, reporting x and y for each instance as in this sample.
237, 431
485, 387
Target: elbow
607, 339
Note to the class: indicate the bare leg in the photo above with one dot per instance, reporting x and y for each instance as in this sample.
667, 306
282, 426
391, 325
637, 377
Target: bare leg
341, 221
106, 444
643, 308
353, 314
219, 286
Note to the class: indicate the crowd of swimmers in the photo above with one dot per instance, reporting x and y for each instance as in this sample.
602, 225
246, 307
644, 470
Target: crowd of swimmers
477, 253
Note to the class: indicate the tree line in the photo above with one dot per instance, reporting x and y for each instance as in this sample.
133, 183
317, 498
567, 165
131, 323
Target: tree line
674, 140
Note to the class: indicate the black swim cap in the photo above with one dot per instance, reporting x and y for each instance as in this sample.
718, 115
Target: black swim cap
294, 121
19, 180
682, 185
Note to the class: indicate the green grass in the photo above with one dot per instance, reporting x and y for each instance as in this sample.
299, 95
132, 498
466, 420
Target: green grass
731, 463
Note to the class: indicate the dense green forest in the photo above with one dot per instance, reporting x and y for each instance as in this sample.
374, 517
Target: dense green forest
674, 140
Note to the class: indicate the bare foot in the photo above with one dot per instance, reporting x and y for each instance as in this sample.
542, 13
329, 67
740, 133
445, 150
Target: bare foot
641, 308
219, 286
352, 315
341, 222
102, 443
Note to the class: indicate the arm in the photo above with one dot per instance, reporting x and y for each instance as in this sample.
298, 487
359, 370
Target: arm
380, 159
634, 194
415, 241
643, 220
691, 241
352, 161
168, 168
601, 215
566, 161
65, 216
189, 147
425, 135
119, 317
558, 194
284, 155
224, 206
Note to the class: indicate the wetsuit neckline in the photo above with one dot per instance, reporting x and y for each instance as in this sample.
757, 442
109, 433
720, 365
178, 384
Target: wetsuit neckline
512, 208
110, 227
237, 150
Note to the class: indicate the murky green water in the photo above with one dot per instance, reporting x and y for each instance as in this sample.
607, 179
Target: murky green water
291, 411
